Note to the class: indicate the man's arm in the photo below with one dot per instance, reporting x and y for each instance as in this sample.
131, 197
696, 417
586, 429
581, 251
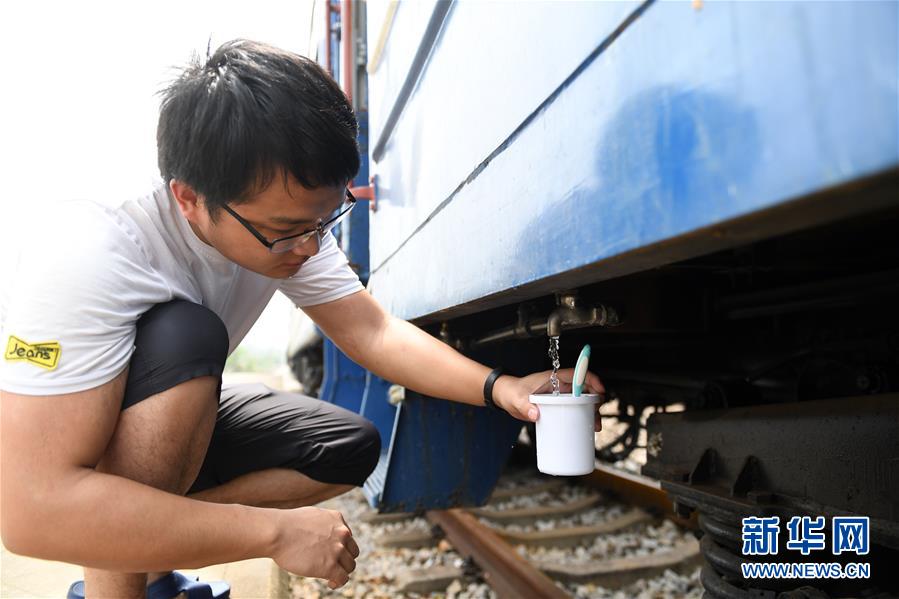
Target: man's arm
56, 506
400, 352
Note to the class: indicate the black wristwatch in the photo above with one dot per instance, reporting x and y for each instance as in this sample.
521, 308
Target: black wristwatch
488, 388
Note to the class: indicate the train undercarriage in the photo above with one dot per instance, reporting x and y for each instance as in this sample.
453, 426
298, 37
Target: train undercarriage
758, 380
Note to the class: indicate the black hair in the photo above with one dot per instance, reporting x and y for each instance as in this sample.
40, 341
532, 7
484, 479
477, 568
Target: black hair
251, 113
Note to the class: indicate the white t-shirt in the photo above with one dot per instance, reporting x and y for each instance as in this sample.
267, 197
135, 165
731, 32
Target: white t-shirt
69, 306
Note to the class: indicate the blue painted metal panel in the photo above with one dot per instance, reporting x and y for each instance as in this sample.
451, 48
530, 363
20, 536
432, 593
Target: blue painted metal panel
361, 178
376, 408
434, 454
687, 119
344, 380
375, 483
404, 37
354, 232
445, 454
472, 96
334, 40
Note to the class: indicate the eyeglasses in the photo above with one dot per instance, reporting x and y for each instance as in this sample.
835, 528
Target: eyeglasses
286, 244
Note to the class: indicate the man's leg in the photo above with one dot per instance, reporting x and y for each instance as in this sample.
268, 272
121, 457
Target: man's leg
278, 449
274, 487
160, 442
168, 414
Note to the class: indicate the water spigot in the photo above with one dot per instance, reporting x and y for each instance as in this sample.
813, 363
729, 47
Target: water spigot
572, 314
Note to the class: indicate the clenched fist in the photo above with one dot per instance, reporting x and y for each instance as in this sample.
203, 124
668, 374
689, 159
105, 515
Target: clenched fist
316, 543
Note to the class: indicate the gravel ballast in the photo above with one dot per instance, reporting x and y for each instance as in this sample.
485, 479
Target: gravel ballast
379, 569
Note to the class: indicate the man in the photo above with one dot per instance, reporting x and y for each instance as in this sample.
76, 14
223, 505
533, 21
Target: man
120, 449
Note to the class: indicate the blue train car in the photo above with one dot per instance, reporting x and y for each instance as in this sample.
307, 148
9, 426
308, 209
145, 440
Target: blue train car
724, 175
542, 147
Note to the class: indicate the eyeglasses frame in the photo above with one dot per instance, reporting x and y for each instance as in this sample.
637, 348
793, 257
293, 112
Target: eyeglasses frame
320, 228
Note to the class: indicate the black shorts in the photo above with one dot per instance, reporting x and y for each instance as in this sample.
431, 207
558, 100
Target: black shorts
257, 428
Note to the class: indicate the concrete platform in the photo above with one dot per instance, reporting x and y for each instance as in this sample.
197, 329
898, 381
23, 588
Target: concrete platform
27, 578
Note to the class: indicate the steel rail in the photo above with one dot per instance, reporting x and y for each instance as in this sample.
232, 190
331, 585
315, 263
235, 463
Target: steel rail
507, 573
637, 490
512, 576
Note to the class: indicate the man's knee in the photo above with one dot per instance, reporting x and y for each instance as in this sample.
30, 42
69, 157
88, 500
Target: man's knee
260, 428
352, 460
176, 342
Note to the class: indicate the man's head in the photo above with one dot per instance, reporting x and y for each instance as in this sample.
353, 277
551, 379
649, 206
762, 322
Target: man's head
268, 133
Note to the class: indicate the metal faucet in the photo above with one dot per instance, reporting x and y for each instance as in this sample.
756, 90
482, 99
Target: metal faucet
571, 314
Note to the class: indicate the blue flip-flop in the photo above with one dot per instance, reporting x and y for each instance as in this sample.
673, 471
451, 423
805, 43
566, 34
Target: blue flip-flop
171, 585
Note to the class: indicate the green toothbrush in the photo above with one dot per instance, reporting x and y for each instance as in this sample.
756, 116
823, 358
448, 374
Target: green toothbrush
580, 371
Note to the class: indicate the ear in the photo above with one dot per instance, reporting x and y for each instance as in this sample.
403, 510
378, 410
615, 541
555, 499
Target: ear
189, 202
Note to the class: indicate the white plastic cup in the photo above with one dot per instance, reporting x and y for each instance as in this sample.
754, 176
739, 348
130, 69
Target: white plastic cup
565, 442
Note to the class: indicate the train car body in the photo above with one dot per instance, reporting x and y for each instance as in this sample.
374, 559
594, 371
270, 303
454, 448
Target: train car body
723, 175
542, 147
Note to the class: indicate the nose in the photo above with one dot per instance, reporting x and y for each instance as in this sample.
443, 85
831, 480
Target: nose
308, 248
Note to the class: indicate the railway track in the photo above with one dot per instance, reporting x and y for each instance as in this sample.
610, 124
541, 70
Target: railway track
605, 535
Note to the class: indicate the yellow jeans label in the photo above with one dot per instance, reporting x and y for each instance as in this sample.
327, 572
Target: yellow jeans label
45, 354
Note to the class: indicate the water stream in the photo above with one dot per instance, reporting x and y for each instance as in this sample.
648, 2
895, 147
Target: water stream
554, 356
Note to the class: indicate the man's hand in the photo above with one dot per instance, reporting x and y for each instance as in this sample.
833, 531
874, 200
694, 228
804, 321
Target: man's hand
511, 393
316, 543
